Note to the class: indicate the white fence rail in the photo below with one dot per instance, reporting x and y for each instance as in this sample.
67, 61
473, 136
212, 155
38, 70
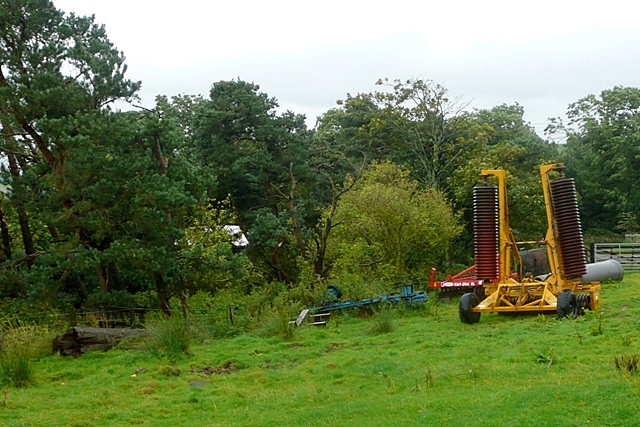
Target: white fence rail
627, 254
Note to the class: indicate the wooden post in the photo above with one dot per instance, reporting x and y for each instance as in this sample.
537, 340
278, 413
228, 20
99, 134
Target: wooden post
141, 312
73, 317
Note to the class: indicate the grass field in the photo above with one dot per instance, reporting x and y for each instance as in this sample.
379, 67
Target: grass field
431, 370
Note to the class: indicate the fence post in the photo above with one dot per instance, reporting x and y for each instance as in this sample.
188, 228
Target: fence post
141, 312
592, 252
73, 317
232, 314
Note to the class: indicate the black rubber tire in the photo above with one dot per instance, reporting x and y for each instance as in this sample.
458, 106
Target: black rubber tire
467, 302
566, 304
334, 292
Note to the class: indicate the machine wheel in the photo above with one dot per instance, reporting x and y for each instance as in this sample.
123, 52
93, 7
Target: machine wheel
467, 302
566, 304
334, 292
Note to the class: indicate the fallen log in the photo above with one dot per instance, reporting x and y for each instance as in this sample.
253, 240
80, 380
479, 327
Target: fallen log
78, 340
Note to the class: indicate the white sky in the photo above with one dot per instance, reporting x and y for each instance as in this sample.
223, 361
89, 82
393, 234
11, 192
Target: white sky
542, 54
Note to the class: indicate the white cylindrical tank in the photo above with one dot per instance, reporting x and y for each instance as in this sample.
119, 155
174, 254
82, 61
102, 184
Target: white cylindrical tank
604, 270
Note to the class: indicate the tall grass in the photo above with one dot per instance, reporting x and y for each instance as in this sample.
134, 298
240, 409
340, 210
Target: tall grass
20, 346
16, 367
383, 321
275, 323
169, 337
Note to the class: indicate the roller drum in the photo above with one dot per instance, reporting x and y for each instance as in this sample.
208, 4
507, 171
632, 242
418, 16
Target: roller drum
486, 234
610, 269
567, 216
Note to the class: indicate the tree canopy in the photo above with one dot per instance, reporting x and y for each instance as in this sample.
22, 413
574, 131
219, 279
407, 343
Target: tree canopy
101, 206
603, 153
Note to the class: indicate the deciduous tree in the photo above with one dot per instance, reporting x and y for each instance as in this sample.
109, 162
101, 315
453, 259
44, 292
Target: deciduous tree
389, 226
603, 154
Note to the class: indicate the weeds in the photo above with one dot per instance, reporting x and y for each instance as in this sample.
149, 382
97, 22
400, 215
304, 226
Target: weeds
627, 364
428, 378
548, 358
428, 381
473, 376
597, 324
333, 373
579, 335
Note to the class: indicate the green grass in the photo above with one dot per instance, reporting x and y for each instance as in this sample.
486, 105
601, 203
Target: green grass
428, 371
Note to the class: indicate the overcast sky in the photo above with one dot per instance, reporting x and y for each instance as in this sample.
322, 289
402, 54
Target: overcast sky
541, 54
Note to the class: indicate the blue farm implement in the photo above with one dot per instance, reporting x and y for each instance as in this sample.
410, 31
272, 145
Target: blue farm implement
320, 313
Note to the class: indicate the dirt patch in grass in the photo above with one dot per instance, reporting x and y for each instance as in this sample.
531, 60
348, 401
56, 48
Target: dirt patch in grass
226, 368
334, 346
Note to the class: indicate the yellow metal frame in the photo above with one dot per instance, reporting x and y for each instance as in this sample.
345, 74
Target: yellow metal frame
529, 295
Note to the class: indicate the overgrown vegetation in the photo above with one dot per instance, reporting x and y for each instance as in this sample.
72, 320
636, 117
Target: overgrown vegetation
408, 375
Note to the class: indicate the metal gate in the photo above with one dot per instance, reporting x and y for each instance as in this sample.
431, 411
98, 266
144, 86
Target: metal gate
627, 254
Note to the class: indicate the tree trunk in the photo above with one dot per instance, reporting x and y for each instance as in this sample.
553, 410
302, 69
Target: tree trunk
161, 286
322, 233
78, 340
4, 232
53, 232
23, 218
115, 279
275, 264
79, 286
163, 296
103, 278
27, 240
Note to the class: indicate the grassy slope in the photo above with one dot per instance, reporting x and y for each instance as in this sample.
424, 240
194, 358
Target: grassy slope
431, 371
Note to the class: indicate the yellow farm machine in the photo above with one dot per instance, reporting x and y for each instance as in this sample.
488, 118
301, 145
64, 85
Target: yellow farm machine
506, 288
